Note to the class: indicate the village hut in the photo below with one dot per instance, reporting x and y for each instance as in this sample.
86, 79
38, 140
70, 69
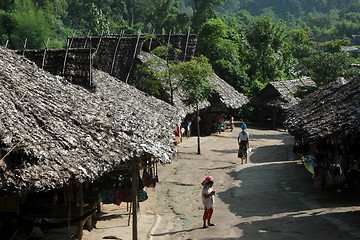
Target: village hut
59, 138
326, 124
276, 97
224, 100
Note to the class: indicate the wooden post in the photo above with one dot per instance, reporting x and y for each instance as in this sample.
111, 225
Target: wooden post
69, 210
81, 210
87, 36
44, 55
135, 188
186, 46
153, 32
24, 46
198, 127
134, 56
115, 52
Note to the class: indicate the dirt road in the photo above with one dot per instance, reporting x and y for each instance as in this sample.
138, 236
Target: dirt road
270, 197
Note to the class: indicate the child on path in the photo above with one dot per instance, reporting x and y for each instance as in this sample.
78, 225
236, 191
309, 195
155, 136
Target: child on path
208, 200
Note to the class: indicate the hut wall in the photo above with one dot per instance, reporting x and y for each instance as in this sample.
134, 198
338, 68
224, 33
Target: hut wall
77, 64
114, 55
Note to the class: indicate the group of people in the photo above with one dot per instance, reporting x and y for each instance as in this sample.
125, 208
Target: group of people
208, 194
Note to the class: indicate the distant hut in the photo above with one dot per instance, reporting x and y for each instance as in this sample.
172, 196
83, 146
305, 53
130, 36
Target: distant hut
277, 97
329, 121
58, 138
223, 101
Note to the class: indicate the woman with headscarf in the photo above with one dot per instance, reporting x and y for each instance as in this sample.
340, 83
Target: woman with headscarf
243, 141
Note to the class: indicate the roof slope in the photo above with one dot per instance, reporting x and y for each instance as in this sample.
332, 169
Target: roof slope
226, 93
333, 109
280, 94
52, 131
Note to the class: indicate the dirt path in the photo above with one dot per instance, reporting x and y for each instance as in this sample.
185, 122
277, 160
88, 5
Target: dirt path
271, 197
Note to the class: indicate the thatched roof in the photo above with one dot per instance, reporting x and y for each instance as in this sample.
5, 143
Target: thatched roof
227, 95
332, 110
52, 131
223, 92
280, 94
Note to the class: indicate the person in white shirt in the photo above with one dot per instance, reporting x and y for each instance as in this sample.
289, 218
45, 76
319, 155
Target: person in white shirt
208, 199
243, 141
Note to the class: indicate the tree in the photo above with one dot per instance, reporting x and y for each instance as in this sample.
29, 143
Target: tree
227, 51
195, 87
266, 41
203, 10
32, 23
158, 75
325, 67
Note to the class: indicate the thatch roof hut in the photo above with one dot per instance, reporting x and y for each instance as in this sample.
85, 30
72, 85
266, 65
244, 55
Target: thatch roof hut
223, 100
327, 125
280, 94
331, 111
52, 131
224, 94
276, 97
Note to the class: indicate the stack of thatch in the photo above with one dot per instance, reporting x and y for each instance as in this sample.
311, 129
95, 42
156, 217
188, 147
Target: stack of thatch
52, 131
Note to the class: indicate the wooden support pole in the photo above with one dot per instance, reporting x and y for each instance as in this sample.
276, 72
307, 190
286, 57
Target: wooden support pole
44, 55
69, 211
186, 46
153, 31
115, 52
81, 210
87, 36
24, 47
135, 188
134, 56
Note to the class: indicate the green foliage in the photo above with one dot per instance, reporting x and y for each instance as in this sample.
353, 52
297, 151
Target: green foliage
32, 24
325, 67
203, 10
266, 40
335, 46
195, 87
226, 49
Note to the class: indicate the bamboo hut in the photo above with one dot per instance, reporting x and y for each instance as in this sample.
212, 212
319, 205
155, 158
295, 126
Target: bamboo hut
328, 120
57, 135
277, 97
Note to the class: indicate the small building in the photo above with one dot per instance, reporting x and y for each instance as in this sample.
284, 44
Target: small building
225, 100
328, 120
59, 140
277, 97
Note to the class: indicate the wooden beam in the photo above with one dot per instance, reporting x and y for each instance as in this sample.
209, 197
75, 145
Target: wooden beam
81, 211
135, 188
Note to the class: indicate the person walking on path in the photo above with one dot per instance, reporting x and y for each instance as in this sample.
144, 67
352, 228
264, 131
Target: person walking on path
243, 141
208, 199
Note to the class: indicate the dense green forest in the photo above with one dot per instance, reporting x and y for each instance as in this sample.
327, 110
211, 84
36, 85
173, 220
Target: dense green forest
248, 42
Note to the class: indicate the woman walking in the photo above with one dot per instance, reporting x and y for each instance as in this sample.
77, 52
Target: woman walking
243, 141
